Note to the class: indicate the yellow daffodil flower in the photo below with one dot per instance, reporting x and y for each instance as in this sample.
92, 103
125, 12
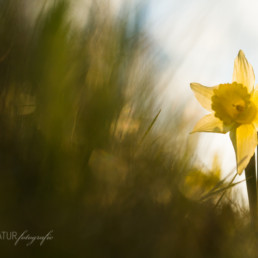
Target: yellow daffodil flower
234, 109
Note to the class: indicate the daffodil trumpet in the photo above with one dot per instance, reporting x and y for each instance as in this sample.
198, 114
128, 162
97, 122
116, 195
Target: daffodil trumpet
234, 109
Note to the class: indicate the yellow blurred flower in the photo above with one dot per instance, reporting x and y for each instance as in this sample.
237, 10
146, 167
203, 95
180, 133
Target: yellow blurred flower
234, 109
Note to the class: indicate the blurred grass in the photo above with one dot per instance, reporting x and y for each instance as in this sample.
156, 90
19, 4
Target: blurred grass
83, 152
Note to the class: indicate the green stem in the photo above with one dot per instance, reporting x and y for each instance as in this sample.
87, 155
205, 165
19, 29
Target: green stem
250, 175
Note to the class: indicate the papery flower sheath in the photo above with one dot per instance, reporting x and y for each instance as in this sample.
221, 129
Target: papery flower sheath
234, 109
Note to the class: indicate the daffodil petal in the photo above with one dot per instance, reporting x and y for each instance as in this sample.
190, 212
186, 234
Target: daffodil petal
243, 72
203, 94
210, 123
244, 139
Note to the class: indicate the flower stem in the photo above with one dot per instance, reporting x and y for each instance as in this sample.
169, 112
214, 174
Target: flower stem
250, 174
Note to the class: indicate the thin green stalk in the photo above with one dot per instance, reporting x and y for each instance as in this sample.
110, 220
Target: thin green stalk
150, 126
229, 185
250, 174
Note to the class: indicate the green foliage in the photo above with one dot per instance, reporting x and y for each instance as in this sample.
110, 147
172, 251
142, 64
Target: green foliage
82, 150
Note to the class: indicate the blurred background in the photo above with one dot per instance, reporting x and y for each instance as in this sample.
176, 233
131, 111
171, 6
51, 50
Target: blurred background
95, 115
